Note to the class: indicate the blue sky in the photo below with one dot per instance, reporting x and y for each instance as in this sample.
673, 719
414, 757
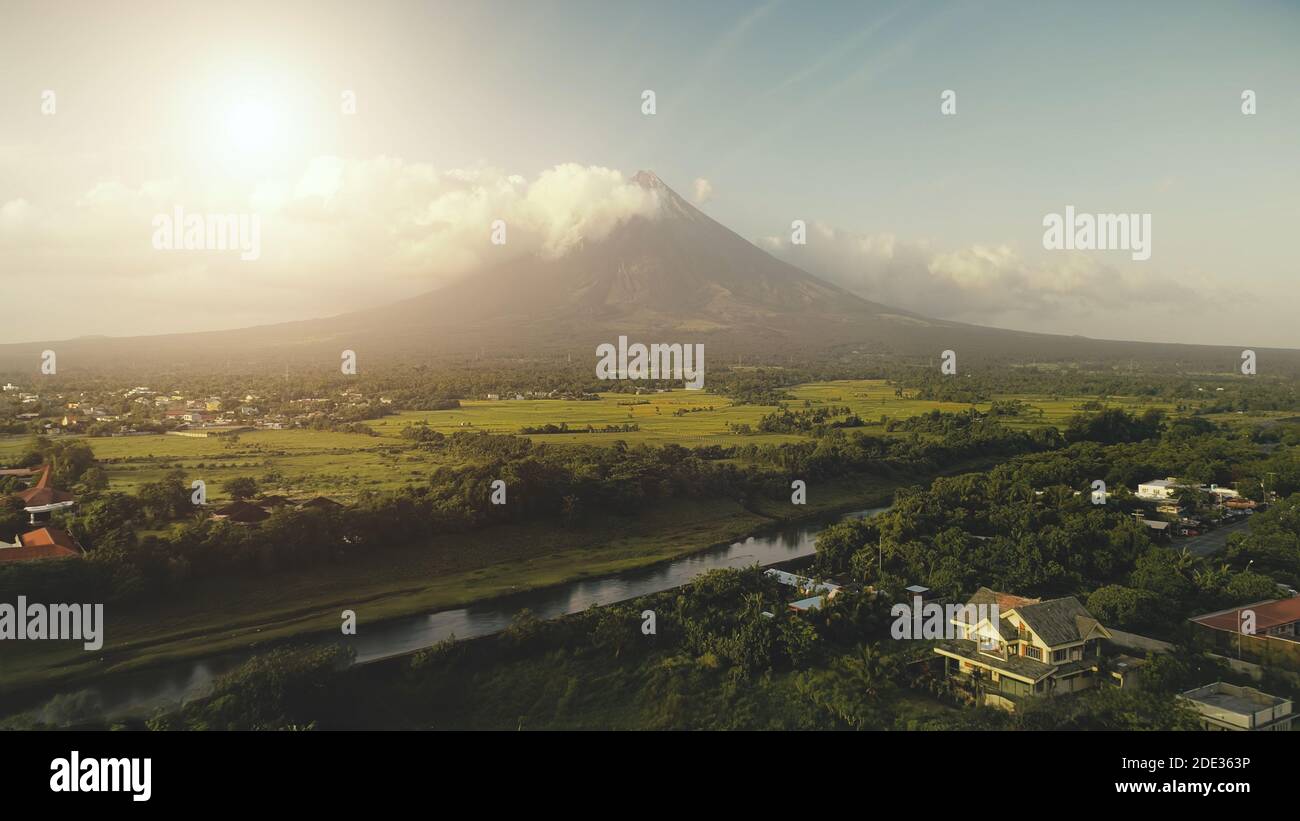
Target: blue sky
831, 109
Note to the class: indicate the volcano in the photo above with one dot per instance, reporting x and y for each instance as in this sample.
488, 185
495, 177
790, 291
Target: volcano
674, 275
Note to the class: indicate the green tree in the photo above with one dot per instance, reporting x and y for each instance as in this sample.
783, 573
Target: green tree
240, 487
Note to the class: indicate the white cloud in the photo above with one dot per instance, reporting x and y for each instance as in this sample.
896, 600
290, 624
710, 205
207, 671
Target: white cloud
345, 233
703, 190
980, 283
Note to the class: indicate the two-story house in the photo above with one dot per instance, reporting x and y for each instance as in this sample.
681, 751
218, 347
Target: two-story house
1034, 648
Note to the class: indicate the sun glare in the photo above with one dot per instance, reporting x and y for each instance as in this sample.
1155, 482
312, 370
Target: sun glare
251, 126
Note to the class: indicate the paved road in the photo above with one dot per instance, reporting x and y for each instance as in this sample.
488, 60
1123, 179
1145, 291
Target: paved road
1209, 543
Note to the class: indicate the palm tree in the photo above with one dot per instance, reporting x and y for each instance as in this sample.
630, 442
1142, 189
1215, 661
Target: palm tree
1021, 492
870, 670
1185, 561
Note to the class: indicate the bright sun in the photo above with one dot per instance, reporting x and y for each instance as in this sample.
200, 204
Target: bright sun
251, 126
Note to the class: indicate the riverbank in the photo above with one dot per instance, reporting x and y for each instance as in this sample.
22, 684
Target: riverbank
243, 615
240, 614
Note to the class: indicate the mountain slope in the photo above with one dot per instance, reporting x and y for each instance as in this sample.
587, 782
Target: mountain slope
680, 270
678, 276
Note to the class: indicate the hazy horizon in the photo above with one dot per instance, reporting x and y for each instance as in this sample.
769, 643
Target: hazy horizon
765, 113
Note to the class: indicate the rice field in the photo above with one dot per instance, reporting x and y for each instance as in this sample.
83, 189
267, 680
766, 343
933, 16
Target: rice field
344, 465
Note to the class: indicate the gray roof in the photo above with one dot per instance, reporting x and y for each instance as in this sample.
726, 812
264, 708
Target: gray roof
1006, 629
1014, 665
1058, 621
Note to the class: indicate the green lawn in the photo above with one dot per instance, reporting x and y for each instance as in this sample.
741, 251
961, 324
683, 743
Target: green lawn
657, 423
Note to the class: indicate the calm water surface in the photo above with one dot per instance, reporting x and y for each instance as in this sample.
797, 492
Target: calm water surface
146, 691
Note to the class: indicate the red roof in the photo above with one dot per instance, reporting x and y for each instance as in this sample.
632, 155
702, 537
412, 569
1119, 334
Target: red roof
45, 543
1008, 601
42, 493
1267, 615
1004, 601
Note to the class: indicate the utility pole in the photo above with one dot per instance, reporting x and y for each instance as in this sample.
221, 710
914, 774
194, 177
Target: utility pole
1247, 570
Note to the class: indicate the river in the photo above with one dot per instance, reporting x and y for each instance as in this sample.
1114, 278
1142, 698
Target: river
145, 691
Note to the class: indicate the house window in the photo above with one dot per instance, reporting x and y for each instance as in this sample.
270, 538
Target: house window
1060, 655
1035, 653
1014, 687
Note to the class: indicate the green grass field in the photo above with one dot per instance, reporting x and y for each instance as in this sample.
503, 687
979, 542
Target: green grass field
342, 465
869, 398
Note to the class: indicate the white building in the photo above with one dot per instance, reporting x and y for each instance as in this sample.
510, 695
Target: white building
1224, 706
804, 584
1167, 488
1159, 488
1221, 494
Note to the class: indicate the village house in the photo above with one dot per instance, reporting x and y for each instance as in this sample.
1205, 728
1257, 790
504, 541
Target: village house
1036, 648
1266, 632
1160, 530
1166, 491
813, 593
241, 512
42, 499
1158, 489
212, 432
1224, 706
42, 543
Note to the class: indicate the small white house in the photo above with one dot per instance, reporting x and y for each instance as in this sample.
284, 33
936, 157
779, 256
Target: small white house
1158, 488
